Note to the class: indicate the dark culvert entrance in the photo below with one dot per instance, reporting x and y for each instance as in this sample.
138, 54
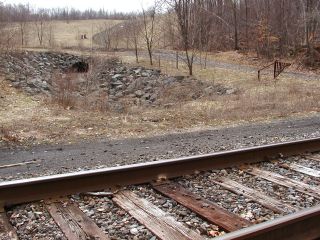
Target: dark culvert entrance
80, 67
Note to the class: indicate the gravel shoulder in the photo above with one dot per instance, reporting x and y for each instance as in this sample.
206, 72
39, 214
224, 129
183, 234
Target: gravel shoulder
54, 159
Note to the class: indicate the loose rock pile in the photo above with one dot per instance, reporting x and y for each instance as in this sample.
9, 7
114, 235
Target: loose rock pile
33, 72
138, 85
109, 84
124, 85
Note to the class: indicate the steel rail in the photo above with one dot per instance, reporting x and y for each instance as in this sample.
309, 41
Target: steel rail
304, 224
20, 191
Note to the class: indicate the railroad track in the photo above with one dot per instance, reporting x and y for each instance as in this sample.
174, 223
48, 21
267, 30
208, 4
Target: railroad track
265, 192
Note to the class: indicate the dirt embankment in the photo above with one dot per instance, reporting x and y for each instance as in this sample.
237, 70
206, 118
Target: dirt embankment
47, 96
43, 102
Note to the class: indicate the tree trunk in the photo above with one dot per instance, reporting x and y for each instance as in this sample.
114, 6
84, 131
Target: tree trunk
189, 62
136, 50
236, 41
150, 55
247, 29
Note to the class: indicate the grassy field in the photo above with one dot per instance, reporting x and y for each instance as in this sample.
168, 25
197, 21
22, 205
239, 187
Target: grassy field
64, 34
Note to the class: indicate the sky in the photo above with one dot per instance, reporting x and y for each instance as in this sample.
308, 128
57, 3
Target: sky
110, 5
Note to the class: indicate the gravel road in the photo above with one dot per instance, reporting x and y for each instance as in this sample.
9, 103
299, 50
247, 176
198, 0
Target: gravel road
106, 152
171, 56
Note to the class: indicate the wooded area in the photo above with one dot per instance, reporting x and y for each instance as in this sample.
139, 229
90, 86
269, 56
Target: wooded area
271, 28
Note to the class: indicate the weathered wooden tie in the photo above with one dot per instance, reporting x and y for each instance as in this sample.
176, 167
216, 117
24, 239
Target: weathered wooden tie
153, 218
314, 158
7, 232
73, 222
266, 201
302, 169
284, 181
205, 208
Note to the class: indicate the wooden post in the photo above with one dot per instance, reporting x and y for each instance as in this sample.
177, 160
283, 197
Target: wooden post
259, 71
177, 60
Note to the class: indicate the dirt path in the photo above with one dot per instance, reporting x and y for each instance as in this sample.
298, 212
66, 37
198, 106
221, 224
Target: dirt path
105, 152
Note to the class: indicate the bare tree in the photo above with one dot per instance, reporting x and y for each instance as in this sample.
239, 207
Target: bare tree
149, 29
134, 29
23, 13
311, 13
187, 17
235, 22
41, 24
50, 35
104, 37
170, 30
246, 23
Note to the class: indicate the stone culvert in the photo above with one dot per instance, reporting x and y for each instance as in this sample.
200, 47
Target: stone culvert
108, 84
33, 71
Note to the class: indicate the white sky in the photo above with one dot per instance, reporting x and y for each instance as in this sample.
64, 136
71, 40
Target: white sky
110, 5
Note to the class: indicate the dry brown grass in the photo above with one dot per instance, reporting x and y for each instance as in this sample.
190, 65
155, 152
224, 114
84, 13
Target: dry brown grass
32, 120
66, 34
7, 136
254, 100
65, 89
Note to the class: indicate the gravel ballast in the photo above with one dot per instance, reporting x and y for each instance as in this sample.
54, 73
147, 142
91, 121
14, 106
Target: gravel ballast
178, 212
34, 220
114, 221
203, 186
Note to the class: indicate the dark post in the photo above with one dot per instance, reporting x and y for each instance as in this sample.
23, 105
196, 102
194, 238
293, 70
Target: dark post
177, 60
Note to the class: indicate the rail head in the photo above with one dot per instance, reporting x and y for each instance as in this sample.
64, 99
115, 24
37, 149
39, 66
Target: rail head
20, 191
300, 225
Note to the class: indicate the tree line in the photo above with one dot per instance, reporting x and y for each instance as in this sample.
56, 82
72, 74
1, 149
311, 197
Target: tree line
271, 28
13, 12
